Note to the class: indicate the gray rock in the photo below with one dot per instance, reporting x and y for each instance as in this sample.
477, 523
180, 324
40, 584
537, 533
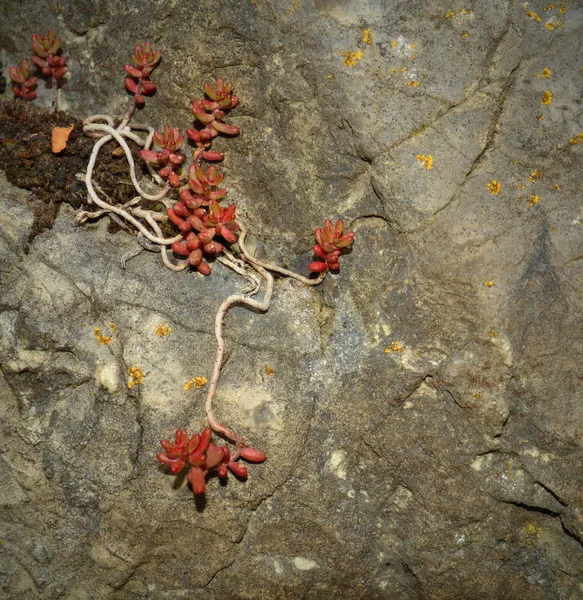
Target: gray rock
423, 429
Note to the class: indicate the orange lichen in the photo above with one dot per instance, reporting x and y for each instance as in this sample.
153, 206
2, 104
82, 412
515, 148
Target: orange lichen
535, 175
534, 199
494, 187
547, 97
269, 370
533, 15
394, 347
351, 57
102, 339
489, 283
196, 382
575, 140
163, 330
367, 36
426, 160
413, 83
136, 376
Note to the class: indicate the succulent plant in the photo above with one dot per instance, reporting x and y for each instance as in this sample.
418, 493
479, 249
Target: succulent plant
169, 159
24, 84
202, 458
332, 242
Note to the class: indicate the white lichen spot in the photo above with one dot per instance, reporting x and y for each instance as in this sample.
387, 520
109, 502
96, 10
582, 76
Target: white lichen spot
337, 464
108, 377
402, 496
408, 404
481, 461
351, 493
304, 564
277, 566
383, 584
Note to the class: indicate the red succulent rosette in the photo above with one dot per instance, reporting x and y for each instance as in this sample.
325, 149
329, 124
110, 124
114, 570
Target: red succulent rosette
332, 242
45, 48
24, 84
168, 159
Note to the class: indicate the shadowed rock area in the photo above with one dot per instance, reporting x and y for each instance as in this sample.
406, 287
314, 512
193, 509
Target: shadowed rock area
421, 411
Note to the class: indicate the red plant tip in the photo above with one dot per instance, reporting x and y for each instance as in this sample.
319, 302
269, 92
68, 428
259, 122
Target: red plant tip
332, 242
45, 45
24, 83
145, 58
171, 139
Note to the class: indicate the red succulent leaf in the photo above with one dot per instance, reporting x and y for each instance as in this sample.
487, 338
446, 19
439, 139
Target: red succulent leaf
196, 479
252, 455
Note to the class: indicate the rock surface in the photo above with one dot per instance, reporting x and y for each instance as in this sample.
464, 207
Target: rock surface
424, 417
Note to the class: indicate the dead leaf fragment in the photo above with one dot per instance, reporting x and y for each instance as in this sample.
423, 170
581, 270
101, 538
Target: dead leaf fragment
59, 138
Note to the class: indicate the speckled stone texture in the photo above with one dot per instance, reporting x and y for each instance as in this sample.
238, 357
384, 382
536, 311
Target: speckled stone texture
424, 417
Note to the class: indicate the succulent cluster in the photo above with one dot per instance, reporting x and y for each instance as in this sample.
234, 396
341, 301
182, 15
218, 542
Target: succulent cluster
203, 458
46, 57
24, 85
138, 83
332, 242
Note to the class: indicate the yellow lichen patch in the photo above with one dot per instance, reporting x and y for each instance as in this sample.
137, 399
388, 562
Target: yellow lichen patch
533, 15
494, 187
577, 139
531, 529
295, 5
394, 44
196, 382
394, 347
547, 97
556, 187
112, 326
136, 376
367, 36
562, 7
269, 370
519, 186
489, 283
163, 330
426, 160
534, 199
546, 73
413, 83
330, 76
351, 57
535, 175
554, 24
494, 333
540, 117
403, 69
464, 34
476, 394
102, 339
449, 15
465, 11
